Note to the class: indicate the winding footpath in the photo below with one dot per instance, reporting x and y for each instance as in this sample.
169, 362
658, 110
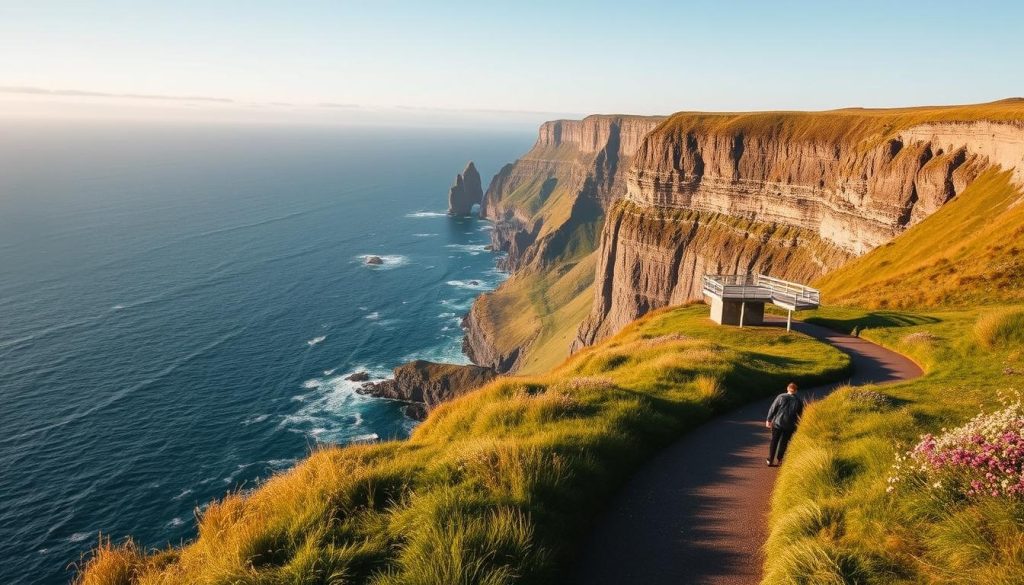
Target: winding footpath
697, 513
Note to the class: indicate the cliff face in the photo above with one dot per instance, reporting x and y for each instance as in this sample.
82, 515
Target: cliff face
776, 194
548, 208
664, 201
566, 181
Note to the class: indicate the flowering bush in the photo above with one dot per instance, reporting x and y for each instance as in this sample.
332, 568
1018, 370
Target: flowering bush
984, 457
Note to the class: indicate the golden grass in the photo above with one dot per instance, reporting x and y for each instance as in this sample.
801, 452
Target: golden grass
970, 251
493, 486
858, 125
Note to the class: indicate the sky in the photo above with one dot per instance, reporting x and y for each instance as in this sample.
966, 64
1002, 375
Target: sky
481, 62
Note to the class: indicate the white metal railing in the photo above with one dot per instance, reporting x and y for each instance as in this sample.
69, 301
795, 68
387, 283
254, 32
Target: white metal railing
760, 287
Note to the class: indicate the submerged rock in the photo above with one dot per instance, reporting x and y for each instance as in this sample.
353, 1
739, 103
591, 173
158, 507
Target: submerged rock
466, 192
427, 384
374, 260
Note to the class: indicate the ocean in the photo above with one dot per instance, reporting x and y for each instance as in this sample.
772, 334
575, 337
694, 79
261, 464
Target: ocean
180, 306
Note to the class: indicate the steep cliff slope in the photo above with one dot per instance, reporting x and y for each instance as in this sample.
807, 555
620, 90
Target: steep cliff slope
788, 193
548, 208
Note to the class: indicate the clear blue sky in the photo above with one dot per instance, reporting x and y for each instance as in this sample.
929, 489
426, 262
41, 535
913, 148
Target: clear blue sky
546, 57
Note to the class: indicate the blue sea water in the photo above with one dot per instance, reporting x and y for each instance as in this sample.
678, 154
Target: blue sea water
179, 307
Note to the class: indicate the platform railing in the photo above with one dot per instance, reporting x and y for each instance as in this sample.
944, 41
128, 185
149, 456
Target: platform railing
759, 287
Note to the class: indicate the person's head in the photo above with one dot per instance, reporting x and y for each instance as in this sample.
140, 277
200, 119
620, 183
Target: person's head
791, 388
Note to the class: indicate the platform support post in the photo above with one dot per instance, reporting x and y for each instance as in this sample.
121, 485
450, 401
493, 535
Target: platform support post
743, 308
789, 320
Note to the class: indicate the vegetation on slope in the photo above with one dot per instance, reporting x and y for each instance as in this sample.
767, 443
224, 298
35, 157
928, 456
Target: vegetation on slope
834, 518
494, 484
540, 310
969, 251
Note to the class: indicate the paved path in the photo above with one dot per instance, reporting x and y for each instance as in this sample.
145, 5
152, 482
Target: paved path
697, 513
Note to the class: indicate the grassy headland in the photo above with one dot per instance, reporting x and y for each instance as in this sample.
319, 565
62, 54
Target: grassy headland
492, 487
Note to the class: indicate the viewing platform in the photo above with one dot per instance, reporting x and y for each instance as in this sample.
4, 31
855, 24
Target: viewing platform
739, 299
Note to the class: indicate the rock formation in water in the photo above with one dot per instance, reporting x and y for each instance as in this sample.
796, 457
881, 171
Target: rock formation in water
427, 384
466, 192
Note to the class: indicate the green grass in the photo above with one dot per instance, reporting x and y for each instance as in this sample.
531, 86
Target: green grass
493, 486
832, 519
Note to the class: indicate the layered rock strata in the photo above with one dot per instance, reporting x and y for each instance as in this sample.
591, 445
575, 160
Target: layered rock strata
843, 190
547, 209
667, 200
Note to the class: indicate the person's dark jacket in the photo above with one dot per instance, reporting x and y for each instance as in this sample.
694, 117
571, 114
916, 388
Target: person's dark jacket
786, 411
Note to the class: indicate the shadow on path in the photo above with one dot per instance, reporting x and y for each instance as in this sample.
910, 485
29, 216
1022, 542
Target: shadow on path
697, 512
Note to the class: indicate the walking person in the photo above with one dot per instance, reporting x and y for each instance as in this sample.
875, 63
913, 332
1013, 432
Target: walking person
783, 418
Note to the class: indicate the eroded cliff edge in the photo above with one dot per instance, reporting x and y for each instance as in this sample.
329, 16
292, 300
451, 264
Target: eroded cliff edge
548, 209
648, 205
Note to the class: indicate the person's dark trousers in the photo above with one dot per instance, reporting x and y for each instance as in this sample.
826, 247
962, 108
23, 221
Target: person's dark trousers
780, 440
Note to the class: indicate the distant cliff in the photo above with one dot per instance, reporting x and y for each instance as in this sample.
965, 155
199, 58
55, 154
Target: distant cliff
549, 208
652, 204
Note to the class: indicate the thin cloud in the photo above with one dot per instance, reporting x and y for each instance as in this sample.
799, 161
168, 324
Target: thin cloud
137, 96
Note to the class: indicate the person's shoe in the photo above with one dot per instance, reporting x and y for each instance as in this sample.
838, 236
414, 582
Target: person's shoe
769, 462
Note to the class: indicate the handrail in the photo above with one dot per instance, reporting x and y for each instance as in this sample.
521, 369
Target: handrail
760, 287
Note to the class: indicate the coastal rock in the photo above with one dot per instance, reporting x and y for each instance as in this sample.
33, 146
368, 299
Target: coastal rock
358, 377
374, 261
427, 384
466, 192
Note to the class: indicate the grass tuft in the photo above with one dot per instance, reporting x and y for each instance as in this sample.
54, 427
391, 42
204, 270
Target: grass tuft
1002, 328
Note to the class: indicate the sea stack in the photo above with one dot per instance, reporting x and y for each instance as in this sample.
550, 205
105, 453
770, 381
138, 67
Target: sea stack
466, 192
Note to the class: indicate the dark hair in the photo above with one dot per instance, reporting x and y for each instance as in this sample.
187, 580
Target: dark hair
792, 386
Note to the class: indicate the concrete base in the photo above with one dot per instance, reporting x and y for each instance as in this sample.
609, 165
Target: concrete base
728, 312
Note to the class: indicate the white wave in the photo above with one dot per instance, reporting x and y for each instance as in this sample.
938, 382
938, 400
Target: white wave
330, 413
316, 340
485, 228
79, 536
116, 307
446, 315
460, 305
427, 214
471, 249
372, 317
176, 521
425, 235
367, 438
450, 352
470, 285
182, 494
389, 261
255, 419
